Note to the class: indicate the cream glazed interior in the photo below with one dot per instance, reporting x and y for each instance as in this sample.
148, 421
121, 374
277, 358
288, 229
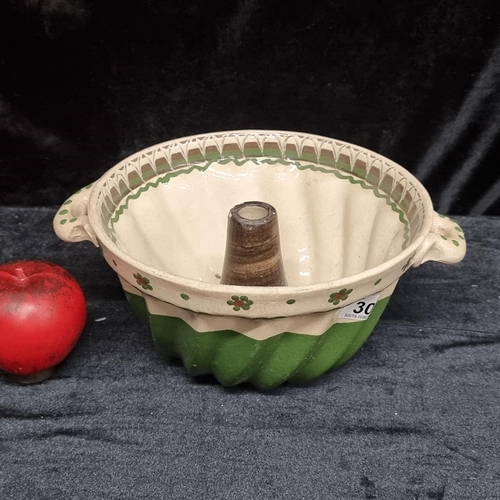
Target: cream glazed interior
341, 209
350, 231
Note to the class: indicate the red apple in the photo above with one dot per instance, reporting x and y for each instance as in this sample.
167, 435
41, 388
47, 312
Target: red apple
42, 315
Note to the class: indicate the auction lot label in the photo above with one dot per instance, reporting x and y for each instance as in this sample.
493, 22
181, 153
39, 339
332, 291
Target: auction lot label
360, 310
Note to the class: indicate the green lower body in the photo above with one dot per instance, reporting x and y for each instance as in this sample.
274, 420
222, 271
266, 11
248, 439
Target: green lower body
235, 358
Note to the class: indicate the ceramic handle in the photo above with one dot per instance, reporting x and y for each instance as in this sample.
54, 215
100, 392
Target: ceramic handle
444, 243
71, 222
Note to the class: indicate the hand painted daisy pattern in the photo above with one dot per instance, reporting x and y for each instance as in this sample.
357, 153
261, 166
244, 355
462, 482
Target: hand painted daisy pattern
143, 281
336, 298
240, 302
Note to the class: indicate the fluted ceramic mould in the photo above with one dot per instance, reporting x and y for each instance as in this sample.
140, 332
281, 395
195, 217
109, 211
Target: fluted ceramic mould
351, 223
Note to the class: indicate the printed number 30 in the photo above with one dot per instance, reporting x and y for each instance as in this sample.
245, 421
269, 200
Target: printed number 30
364, 308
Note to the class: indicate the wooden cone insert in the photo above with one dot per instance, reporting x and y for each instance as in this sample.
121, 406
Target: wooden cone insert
253, 251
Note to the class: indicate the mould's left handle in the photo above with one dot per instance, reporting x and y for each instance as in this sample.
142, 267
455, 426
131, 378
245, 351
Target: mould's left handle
71, 222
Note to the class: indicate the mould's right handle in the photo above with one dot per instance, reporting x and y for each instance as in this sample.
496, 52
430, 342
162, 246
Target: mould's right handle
71, 222
444, 243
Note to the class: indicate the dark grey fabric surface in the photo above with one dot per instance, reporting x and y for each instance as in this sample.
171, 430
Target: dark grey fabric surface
413, 416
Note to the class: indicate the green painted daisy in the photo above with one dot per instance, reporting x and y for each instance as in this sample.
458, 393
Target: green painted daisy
343, 294
238, 302
143, 281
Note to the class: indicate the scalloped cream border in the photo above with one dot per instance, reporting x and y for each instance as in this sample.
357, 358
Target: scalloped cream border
257, 329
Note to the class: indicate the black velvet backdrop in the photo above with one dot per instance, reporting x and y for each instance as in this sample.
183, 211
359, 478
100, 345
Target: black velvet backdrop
84, 83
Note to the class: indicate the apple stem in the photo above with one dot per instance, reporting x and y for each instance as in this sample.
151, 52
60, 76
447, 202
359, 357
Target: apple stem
19, 272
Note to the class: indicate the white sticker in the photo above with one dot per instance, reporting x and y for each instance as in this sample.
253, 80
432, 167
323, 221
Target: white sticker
359, 310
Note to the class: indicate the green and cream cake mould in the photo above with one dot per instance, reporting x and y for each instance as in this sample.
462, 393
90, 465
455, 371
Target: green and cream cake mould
351, 223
